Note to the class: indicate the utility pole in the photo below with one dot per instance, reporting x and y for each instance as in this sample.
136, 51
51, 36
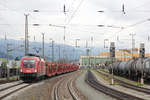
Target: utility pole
7, 62
8, 50
133, 42
91, 45
26, 35
64, 53
86, 44
87, 53
59, 51
105, 43
148, 42
76, 43
5, 36
7, 56
76, 46
43, 45
52, 50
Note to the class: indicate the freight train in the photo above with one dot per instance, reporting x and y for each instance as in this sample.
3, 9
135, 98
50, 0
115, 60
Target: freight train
132, 69
33, 67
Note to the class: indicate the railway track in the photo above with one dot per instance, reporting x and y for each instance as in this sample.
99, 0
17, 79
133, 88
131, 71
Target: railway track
127, 85
69, 87
9, 85
70, 90
5, 81
5, 92
91, 80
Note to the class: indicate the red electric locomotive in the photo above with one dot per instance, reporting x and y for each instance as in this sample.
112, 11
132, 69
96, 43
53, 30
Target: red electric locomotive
32, 67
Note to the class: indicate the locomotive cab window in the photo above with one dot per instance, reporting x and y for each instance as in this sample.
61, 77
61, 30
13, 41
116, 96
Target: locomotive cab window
147, 64
28, 63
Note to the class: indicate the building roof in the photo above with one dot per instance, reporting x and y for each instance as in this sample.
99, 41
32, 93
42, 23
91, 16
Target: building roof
123, 53
118, 53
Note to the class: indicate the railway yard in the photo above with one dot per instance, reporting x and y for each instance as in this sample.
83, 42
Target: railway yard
74, 50
79, 85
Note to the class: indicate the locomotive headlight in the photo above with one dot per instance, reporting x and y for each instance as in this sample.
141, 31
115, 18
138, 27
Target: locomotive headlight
20, 70
35, 70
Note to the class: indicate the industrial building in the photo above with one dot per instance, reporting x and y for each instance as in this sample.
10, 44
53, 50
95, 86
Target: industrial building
104, 57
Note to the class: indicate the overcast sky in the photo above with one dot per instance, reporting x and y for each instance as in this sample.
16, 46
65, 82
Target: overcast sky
81, 20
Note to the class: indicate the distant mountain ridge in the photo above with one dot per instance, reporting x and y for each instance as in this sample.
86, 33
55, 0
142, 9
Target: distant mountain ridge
66, 51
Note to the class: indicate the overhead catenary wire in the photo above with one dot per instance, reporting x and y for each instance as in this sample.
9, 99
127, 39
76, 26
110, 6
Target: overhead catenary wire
129, 26
71, 5
139, 6
73, 14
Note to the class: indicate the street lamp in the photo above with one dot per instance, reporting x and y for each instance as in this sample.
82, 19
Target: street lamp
36, 24
101, 25
112, 26
101, 11
64, 38
36, 10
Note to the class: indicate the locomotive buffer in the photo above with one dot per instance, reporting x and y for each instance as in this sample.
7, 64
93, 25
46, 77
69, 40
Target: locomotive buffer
112, 56
142, 55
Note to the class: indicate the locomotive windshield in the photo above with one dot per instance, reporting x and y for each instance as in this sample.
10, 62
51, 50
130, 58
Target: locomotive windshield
28, 63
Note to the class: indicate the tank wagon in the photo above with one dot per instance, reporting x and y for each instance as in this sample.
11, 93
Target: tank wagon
33, 67
132, 68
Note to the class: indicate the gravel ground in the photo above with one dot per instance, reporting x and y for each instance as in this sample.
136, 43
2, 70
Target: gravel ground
18, 95
40, 91
89, 92
76, 92
123, 89
63, 91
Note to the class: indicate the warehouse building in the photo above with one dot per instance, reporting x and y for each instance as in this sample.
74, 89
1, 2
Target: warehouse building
93, 60
103, 57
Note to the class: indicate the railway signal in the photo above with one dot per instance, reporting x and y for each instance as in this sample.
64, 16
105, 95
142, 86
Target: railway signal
142, 50
112, 56
142, 55
112, 50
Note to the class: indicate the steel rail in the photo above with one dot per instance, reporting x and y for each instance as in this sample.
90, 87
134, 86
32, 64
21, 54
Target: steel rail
127, 85
69, 85
92, 81
10, 86
9, 93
